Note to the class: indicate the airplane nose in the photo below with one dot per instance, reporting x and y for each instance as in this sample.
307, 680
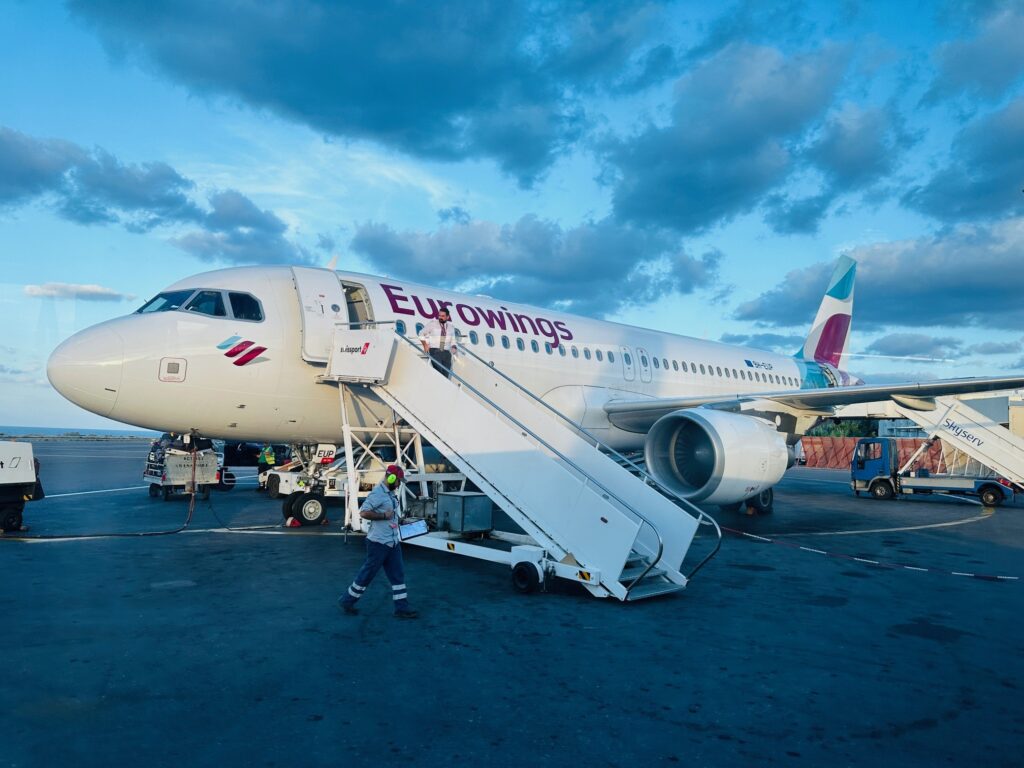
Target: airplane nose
86, 369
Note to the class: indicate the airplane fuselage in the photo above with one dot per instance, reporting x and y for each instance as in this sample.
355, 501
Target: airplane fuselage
230, 377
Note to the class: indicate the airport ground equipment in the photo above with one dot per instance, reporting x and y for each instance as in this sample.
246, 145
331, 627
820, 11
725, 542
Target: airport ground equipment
181, 468
18, 483
875, 469
585, 516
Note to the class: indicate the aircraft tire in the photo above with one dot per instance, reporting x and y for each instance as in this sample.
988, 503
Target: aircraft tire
309, 509
168, 492
764, 502
154, 490
273, 487
881, 490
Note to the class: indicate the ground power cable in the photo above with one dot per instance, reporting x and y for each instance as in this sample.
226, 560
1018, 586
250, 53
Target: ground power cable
120, 534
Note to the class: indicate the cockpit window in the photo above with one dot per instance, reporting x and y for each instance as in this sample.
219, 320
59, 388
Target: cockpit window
208, 303
166, 302
245, 307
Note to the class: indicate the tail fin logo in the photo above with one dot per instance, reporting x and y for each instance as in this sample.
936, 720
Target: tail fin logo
242, 351
830, 332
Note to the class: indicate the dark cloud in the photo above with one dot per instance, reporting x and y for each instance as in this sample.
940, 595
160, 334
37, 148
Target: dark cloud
727, 145
753, 21
97, 188
796, 217
984, 177
965, 277
915, 345
995, 348
30, 167
595, 268
987, 63
452, 81
772, 342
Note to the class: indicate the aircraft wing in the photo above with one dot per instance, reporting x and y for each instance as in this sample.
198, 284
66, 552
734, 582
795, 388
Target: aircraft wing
640, 415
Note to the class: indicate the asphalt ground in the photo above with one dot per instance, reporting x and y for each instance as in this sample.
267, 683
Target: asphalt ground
219, 647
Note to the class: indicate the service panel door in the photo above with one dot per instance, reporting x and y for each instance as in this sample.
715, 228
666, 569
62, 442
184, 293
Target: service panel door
628, 369
322, 303
645, 364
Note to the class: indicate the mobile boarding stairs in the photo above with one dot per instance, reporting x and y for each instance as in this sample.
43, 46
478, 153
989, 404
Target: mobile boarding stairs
590, 515
970, 432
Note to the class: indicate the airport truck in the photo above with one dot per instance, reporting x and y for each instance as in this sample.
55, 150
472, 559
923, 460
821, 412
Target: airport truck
875, 469
18, 483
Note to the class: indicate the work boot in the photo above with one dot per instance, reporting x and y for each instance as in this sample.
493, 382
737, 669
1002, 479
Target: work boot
349, 608
406, 613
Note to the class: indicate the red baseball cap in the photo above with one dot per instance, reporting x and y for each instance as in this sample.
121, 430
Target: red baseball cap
394, 469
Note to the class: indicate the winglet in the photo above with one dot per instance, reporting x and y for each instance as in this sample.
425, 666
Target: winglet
830, 332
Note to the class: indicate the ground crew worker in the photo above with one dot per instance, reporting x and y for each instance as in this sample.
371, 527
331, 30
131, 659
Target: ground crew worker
383, 546
438, 340
266, 460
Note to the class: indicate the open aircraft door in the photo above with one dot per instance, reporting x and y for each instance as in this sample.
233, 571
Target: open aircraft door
323, 304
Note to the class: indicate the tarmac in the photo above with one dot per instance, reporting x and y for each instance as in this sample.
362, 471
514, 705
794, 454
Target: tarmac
853, 632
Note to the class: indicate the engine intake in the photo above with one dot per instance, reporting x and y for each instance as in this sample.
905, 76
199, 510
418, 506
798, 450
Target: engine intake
715, 457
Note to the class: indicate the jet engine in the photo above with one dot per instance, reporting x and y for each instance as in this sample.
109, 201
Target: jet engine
715, 457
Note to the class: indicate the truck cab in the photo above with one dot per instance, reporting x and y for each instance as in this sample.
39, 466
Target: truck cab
874, 468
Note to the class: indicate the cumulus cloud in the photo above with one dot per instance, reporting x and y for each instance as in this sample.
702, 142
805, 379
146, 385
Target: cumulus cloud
964, 277
97, 188
985, 174
594, 268
987, 63
915, 345
995, 348
727, 145
86, 292
483, 80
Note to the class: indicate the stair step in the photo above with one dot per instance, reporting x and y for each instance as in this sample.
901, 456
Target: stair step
630, 572
646, 589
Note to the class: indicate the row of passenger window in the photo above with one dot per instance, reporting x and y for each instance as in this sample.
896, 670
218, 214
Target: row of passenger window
600, 356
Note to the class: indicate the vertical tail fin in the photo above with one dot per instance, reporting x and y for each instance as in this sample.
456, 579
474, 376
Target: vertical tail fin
830, 332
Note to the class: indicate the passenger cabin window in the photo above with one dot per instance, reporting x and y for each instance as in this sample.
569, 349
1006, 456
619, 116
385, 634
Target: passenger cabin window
586, 353
664, 363
598, 355
245, 306
207, 303
419, 328
474, 337
400, 327
611, 357
561, 349
675, 365
506, 343
727, 373
719, 370
548, 348
684, 367
628, 358
166, 302
656, 363
520, 345
534, 345
575, 352
490, 339
702, 369
643, 360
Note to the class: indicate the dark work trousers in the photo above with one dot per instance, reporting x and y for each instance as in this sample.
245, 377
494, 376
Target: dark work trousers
442, 360
390, 558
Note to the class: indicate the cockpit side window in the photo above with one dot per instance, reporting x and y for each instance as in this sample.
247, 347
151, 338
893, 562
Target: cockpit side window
245, 306
166, 302
207, 303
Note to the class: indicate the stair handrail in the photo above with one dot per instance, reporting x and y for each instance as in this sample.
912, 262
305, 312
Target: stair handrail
693, 508
563, 457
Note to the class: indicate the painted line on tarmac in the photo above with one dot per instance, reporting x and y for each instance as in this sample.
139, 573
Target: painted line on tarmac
867, 561
245, 479
922, 527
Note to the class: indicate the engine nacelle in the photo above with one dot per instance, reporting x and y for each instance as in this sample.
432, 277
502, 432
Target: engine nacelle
715, 457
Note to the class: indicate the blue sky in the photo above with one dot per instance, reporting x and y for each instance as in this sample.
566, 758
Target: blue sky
670, 165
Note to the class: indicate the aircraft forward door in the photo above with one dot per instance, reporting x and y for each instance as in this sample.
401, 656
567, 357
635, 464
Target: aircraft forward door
645, 364
323, 303
628, 370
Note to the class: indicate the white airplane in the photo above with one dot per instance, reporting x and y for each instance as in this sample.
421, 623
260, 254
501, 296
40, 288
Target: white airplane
234, 353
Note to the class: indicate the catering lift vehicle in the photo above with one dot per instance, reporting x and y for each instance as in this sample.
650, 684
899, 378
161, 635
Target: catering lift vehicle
189, 464
875, 469
18, 483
